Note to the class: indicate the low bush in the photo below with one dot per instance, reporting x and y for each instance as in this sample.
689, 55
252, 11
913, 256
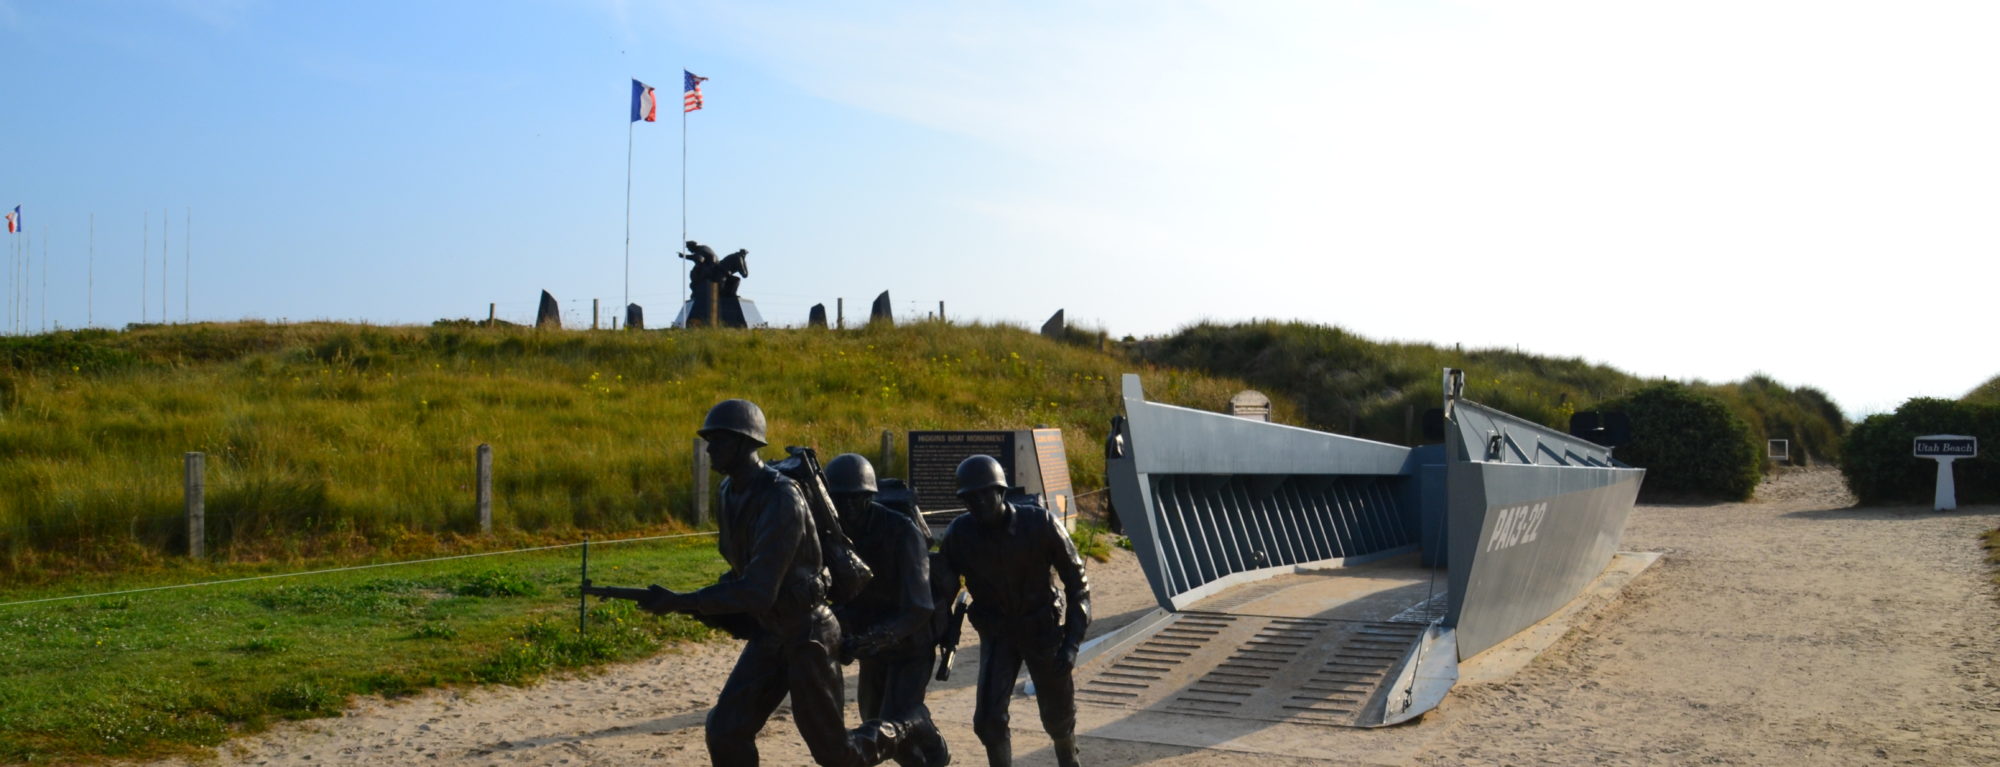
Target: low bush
1877, 460
1691, 444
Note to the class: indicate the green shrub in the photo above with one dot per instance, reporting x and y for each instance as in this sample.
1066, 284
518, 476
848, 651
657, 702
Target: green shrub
1880, 469
1690, 443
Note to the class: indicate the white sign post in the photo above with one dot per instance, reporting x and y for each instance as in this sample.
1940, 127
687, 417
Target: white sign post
1945, 448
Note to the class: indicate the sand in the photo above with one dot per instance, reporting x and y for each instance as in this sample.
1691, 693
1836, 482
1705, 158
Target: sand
1792, 629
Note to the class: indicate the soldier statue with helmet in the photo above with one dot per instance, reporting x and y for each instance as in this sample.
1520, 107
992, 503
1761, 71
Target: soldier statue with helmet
888, 626
775, 595
1005, 553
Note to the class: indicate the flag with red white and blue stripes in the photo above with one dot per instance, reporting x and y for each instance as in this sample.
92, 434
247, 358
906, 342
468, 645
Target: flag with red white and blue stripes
691, 95
645, 106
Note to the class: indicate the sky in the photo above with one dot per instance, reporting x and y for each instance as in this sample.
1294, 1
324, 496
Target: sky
1689, 190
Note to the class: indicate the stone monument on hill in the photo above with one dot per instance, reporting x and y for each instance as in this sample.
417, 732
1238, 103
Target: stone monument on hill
881, 311
549, 314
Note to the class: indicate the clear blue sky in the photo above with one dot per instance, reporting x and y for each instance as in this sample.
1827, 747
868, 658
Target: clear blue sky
1691, 190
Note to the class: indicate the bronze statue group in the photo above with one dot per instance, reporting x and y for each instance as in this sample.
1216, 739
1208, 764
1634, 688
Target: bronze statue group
804, 607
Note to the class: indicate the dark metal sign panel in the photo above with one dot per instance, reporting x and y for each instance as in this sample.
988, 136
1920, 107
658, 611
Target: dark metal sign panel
1946, 446
935, 455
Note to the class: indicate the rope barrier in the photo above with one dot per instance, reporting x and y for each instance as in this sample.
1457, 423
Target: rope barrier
345, 569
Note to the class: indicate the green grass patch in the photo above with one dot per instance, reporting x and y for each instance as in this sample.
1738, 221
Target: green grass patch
143, 675
1090, 541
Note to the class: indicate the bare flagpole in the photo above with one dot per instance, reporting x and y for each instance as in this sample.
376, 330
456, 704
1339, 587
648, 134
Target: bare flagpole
90, 288
164, 239
145, 274
629, 125
187, 261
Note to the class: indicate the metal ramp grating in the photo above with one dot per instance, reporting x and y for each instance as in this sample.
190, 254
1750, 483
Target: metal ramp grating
1305, 670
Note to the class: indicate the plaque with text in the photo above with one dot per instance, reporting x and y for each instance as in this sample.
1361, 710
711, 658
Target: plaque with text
934, 459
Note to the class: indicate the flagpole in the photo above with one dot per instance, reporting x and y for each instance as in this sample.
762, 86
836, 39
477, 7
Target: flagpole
684, 188
164, 239
628, 210
187, 264
90, 287
145, 273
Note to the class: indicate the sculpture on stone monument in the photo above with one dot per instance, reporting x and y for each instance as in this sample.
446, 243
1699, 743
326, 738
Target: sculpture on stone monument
774, 596
712, 284
548, 314
817, 317
635, 317
1006, 552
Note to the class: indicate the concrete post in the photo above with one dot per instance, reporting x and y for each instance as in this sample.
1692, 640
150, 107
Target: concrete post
483, 458
194, 499
593, 314
700, 482
888, 453
491, 313
1409, 424
940, 311
840, 314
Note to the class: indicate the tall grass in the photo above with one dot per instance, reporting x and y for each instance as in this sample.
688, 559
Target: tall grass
1986, 394
326, 437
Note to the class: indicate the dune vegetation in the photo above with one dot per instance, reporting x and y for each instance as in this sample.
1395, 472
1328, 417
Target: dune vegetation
328, 439
1368, 388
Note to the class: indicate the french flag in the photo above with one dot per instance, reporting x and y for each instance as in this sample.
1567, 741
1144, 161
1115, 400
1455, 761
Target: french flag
14, 220
644, 105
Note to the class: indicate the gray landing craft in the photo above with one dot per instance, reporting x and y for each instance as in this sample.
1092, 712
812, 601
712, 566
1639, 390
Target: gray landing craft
1317, 578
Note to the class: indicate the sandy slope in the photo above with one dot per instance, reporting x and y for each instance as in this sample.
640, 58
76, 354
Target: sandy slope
1789, 630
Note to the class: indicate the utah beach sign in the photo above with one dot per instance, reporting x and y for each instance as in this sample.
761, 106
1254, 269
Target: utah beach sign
1945, 448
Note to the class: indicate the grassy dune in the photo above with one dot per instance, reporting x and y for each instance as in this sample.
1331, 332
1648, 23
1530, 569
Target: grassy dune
1352, 384
337, 440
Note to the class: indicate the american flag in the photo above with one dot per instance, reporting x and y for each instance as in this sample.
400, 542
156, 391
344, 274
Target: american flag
691, 100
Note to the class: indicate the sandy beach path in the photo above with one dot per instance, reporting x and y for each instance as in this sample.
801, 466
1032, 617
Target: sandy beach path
1793, 629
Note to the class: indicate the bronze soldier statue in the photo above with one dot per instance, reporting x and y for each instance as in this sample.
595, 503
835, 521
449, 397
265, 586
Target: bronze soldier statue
1005, 553
776, 581
888, 627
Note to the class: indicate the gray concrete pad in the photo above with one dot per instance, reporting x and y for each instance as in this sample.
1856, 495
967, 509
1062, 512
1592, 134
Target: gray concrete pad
1320, 595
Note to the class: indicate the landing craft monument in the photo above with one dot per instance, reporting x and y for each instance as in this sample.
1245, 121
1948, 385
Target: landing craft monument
1317, 578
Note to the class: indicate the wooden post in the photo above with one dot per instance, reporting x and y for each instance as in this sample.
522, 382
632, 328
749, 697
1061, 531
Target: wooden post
840, 314
197, 523
484, 459
700, 482
593, 314
888, 453
940, 311
714, 304
1409, 424
490, 314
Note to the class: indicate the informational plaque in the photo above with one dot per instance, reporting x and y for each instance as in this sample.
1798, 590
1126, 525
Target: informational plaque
934, 459
1053, 462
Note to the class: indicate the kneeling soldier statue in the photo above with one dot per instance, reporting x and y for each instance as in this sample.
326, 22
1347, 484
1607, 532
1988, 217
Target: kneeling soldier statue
775, 581
1005, 553
887, 627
